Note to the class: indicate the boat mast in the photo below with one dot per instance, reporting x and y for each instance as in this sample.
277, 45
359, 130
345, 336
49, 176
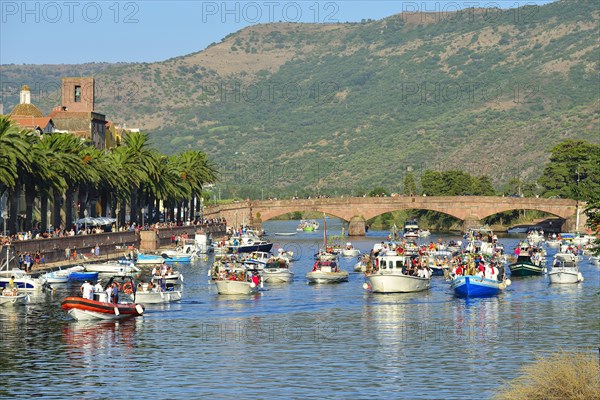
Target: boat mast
324, 232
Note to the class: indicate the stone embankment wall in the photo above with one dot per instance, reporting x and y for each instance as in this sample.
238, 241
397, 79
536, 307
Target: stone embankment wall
112, 244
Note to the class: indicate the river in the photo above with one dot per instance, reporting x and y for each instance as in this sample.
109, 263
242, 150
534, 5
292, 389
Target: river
298, 340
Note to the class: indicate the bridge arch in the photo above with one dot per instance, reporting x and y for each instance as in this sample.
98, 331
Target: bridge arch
266, 215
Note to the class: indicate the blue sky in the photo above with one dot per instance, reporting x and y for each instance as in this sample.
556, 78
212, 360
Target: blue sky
71, 31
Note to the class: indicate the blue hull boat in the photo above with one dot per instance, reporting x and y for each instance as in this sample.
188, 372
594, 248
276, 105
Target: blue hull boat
177, 259
83, 276
475, 286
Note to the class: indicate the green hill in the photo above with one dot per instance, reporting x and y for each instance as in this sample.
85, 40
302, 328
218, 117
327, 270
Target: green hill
343, 108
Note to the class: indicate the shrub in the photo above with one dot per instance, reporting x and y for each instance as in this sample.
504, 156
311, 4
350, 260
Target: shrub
563, 375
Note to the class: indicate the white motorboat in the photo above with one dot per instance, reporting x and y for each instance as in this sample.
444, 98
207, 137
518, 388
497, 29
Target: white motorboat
149, 293
60, 276
423, 233
149, 259
350, 251
553, 243
236, 287
389, 276
361, 265
10, 297
595, 260
326, 272
113, 267
565, 269
21, 280
274, 274
535, 236
411, 229
517, 229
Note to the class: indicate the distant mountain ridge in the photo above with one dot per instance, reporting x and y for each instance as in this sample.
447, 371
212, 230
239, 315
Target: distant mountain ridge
344, 108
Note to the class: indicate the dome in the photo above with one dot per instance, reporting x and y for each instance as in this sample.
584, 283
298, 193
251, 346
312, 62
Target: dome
26, 110
25, 87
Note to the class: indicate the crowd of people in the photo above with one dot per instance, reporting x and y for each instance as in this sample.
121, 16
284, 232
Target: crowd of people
112, 291
91, 230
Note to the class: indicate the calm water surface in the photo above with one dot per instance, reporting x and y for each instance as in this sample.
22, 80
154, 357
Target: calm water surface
297, 340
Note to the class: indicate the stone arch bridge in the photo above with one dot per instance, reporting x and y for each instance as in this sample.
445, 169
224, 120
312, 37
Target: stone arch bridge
357, 210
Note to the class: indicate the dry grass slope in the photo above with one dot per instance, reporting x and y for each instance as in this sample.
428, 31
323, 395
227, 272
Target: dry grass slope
564, 376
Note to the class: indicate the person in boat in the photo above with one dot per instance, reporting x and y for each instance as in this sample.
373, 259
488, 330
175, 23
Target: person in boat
98, 287
255, 279
115, 291
87, 290
316, 265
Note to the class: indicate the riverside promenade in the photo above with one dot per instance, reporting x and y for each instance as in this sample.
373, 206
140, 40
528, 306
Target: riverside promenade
113, 245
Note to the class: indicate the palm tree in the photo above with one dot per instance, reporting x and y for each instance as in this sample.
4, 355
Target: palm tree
14, 148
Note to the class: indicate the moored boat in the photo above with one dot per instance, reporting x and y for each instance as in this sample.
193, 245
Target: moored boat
149, 259
113, 267
12, 297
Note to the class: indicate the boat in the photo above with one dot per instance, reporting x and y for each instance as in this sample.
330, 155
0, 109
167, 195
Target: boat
173, 256
247, 243
326, 272
277, 271
411, 229
149, 259
535, 236
595, 260
78, 273
325, 268
113, 267
423, 233
21, 279
564, 269
285, 233
100, 308
12, 297
60, 276
517, 229
203, 242
483, 241
528, 264
150, 293
308, 226
390, 275
363, 263
233, 277
350, 251
477, 286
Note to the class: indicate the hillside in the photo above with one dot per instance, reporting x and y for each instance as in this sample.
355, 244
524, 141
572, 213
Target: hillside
343, 108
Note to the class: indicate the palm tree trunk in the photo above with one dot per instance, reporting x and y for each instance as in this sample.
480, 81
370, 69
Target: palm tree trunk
122, 214
103, 201
29, 200
44, 212
57, 198
133, 211
13, 195
69, 209
83, 199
